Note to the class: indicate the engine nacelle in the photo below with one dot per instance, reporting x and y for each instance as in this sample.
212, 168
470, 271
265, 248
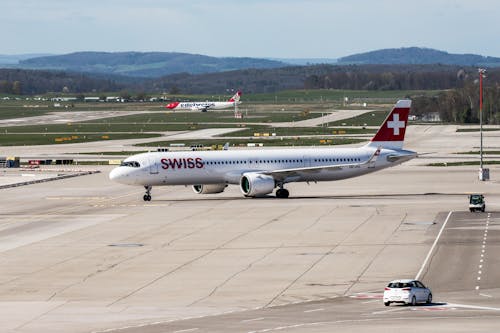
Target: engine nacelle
209, 188
255, 184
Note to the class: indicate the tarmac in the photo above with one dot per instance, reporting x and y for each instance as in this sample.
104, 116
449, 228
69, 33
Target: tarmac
84, 254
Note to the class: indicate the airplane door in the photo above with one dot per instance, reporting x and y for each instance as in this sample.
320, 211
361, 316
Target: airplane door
153, 167
307, 161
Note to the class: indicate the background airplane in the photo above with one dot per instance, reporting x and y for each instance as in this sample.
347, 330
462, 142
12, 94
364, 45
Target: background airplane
259, 172
205, 106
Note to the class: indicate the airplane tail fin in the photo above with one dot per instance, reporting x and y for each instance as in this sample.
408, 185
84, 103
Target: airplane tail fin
236, 97
391, 134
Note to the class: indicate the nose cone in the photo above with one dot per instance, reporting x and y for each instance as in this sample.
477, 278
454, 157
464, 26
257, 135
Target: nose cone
113, 175
117, 175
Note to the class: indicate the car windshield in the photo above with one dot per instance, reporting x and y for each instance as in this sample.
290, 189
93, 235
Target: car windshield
476, 199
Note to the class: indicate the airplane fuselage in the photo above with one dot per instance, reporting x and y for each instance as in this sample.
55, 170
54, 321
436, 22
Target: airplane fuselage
227, 167
204, 105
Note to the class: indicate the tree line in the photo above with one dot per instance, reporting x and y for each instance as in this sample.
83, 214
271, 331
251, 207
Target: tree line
32, 82
351, 77
458, 102
461, 105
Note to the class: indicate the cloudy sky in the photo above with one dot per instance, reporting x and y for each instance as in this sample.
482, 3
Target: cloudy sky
254, 28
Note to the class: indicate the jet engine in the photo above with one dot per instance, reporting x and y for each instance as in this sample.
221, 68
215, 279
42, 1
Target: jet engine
256, 184
209, 189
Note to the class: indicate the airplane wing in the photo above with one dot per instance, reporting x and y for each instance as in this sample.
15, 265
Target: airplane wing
284, 174
203, 108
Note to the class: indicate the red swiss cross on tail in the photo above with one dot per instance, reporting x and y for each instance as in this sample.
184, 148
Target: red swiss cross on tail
391, 134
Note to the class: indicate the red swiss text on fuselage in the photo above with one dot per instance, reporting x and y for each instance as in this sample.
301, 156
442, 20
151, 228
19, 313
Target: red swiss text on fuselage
182, 163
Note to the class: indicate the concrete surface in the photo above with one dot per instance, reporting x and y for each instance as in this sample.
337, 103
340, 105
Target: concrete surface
86, 255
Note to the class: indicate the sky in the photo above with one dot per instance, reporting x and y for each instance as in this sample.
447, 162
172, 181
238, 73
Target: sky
251, 28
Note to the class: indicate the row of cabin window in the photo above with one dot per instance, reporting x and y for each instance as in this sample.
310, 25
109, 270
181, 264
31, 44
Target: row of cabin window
245, 162
289, 161
337, 160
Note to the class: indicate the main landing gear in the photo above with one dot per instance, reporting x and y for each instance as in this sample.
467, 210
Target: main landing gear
147, 196
282, 193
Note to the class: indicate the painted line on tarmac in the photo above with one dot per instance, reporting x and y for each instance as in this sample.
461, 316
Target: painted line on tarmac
187, 330
483, 252
253, 319
473, 307
372, 301
314, 310
401, 308
433, 246
367, 296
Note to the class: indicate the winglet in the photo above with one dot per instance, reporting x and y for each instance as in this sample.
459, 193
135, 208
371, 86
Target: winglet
391, 134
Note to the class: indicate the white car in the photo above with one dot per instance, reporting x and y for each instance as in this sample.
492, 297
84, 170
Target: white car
407, 291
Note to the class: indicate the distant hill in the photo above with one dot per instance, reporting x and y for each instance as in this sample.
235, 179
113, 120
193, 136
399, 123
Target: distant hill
30, 82
144, 64
418, 56
347, 77
306, 61
14, 59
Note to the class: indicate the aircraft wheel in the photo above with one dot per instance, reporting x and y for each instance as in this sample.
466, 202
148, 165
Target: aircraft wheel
282, 193
146, 197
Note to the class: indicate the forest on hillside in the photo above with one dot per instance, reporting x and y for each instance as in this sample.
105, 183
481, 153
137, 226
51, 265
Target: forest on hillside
458, 101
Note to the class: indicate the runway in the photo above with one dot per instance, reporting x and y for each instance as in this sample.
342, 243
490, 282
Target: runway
86, 255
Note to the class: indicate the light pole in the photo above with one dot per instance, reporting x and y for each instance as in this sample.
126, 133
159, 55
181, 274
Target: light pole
484, 174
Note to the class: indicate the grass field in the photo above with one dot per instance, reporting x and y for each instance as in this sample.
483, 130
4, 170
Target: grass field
330, 95
214, 117
477, 129
11, 112
105, 128
448, 164
293, 131
485, 152
265, 141
47, 139
22, 108
374, 118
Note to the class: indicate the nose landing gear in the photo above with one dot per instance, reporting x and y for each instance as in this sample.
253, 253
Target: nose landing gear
147, 196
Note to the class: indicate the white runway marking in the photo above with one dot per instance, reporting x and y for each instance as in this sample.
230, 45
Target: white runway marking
401, 308
314, 310
187, 330
483, 251
433, 246
474, 307
254, 319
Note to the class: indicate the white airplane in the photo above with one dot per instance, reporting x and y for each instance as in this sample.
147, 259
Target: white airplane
204, 106
259, 172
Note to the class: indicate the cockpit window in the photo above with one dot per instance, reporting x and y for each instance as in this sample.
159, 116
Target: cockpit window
132, 164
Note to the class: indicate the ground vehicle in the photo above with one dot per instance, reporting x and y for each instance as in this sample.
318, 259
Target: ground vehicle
477, 203
407, 291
